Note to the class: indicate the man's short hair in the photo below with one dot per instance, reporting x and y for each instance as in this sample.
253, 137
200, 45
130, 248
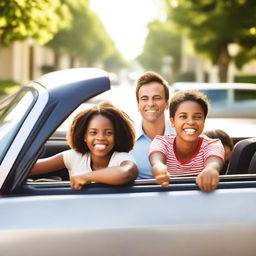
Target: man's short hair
149, 77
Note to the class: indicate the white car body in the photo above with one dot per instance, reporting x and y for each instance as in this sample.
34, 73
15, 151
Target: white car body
141, 218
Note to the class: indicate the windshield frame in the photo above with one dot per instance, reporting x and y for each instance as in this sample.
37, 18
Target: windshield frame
11, 120
24, 127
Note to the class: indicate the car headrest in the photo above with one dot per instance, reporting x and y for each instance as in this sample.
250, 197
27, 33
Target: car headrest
252, 166
242, 154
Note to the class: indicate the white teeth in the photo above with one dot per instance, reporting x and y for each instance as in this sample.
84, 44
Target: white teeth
100, 146
189, 131
151, 111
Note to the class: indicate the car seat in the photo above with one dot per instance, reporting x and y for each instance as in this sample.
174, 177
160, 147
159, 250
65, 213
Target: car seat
252, 166
242, 154
49, 149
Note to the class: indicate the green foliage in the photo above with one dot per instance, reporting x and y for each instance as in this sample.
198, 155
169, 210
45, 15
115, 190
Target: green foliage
185, 77
7, 86
244, 56
213, 24
38, 19
245, 79
114, 62
86, 38
160, 42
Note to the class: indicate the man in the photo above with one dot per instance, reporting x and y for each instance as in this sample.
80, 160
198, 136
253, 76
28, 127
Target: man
152, 94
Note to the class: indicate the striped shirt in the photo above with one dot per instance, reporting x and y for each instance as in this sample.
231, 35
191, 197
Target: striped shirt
206, 148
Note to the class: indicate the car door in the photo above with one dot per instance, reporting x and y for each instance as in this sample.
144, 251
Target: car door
35, 111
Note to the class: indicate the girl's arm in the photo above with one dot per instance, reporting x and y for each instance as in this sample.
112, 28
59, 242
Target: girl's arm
126, 172
48, 164
159, 169
208, 179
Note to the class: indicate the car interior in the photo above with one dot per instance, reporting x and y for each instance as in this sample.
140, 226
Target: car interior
243, 159
57, 183
51, 148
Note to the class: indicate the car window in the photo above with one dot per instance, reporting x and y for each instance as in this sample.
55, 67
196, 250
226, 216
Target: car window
12, 114
216, 96
244, 95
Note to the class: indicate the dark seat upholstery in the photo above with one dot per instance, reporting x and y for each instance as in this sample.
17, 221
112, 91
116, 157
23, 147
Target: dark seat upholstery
241, 157
252, 166
51, 148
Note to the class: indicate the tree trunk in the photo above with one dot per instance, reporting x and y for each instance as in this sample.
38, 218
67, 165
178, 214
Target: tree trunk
223, 63
56, 60
71, 61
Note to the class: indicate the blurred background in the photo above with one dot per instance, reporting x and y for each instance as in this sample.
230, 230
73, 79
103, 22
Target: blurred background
183, 40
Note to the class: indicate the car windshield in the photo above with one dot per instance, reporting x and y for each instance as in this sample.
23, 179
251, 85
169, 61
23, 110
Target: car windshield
12, 113
231, 100
227, 96
216, 96
244, 95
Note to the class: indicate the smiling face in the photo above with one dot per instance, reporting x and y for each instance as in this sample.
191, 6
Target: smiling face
188, 121
99, 136
152, 101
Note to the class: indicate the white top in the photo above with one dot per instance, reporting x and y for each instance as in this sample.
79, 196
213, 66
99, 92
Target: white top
77, 163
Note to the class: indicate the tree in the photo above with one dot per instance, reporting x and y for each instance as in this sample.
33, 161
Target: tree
86, 38
161, 42
38, 19
114, 62
212, 25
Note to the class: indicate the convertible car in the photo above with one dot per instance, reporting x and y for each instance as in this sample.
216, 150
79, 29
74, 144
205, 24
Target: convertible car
43, 215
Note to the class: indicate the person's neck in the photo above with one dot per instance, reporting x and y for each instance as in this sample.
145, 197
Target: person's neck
98, 163
185, 150
151, 129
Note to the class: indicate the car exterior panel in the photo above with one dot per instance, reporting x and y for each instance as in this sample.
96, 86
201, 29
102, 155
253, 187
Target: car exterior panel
140, 218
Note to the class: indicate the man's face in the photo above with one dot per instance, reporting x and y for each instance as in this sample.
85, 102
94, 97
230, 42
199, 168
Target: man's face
152, 102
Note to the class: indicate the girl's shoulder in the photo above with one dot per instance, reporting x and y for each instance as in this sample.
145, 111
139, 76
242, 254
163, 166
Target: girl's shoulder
72, 154
165, 139
121, 156
208, 141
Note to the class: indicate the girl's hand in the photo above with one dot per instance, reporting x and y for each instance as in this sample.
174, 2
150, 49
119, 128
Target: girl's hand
161, 174
208, 179
78, 181
159, 169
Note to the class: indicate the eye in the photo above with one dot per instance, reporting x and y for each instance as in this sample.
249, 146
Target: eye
199, 117
182, 116
144, 98
158, 98
108, 133
92, 132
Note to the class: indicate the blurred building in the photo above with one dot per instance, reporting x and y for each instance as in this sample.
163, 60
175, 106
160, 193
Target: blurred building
206, 72
25, 61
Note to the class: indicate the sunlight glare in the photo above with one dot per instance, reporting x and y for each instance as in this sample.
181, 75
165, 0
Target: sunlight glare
126, 22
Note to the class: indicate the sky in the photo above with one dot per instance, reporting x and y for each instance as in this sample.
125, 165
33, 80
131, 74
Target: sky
125, 22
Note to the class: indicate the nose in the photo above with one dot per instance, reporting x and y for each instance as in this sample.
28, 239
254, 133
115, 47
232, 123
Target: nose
100, 136
190, 121
151, 102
